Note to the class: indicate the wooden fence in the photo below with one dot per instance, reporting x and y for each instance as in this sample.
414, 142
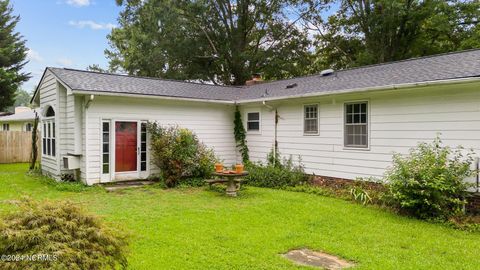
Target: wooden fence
16, 146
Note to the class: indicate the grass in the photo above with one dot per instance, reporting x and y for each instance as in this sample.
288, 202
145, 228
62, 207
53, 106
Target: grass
195, 228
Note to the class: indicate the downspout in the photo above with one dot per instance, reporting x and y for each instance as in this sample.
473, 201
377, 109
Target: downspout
477, 165
275, 143
89, 101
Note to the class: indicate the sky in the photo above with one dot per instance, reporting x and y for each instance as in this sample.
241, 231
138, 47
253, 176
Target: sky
64, 33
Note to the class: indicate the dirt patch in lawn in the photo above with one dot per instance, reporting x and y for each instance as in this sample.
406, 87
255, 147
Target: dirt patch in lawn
317, 259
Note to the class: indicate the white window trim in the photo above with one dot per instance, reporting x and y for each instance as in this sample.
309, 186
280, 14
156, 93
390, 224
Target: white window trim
106, 175
6, 125
259, 131
45, 121
147, 150
318, 120
344, 112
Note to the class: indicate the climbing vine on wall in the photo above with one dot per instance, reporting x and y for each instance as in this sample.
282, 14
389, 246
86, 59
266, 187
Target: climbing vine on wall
240, 135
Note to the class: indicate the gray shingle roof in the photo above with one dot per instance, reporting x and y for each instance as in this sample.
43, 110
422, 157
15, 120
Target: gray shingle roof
439, 67
21, 116
455, 65
81, 80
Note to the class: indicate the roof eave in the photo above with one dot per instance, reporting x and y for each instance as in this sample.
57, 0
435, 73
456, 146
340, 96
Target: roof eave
113, 94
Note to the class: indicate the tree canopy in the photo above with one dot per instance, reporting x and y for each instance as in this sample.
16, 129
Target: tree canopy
376, 31
226, 41
220, 41
12, 56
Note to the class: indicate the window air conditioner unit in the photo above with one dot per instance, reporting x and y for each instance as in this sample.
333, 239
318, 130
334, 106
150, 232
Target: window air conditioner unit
71, 162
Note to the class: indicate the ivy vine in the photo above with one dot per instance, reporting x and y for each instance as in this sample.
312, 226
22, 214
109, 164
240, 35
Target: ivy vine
240, 136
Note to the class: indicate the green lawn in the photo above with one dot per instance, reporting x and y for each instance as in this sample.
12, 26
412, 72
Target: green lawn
202, 229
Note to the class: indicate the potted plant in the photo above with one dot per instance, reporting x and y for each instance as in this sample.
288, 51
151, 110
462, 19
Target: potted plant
239, 168
218, 167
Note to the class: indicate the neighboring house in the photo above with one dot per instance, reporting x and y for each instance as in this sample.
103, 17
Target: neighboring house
21, 120
344, 124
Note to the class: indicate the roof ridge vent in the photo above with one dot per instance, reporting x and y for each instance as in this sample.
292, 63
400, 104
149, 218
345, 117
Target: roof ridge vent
327, 72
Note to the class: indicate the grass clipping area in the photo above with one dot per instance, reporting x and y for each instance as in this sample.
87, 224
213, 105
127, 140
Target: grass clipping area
196, 228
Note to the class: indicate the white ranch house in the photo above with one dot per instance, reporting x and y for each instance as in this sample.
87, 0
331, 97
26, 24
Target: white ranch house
343, 124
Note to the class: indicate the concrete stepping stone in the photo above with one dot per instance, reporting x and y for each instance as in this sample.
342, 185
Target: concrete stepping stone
127, 184
317, 259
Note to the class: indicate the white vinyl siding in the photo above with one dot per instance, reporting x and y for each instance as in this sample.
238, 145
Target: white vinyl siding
48, 97
398, 121
213, 123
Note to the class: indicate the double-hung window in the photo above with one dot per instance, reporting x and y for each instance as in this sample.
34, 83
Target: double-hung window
253, 121
356, 125
310, 119
48, 140
48, 134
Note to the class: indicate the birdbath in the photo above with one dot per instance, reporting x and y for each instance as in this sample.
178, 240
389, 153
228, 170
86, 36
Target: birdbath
231, 178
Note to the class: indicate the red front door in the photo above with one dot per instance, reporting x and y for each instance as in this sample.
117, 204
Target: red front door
125, 146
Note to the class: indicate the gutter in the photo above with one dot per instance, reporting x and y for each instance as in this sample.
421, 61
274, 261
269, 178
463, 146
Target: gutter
100, 93
366, 89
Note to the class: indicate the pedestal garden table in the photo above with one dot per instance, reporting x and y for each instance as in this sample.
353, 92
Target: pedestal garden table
231, 178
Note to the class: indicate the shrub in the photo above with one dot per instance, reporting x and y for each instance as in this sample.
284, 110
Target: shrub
282, 174
61, 230
178, 154
429, 182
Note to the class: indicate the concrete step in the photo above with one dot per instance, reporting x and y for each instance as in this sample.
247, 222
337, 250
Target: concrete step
127, 184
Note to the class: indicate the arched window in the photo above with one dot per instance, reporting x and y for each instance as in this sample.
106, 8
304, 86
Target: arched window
48, 133
50, 112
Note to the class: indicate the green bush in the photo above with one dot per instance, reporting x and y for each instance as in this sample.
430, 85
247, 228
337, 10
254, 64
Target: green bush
282, 174
179, 154
71, 238
429, 182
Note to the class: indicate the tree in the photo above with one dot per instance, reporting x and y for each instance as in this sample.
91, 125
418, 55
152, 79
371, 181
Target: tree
376, 31
98, 68
22, 98
12, 56
220, 41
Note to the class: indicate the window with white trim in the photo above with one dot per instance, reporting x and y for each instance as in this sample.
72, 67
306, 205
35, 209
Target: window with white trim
310, 119
253, 121
356, 125
106, 147
143, 147
6, 127
48, 138
28, 127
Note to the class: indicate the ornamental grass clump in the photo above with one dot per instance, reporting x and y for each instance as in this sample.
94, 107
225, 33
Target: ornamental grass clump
179, 154
429, 183
58, 235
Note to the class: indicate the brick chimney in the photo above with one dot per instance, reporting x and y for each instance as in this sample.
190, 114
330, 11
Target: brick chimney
256, 79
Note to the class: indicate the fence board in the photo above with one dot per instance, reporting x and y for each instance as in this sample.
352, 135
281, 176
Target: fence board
15, 146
